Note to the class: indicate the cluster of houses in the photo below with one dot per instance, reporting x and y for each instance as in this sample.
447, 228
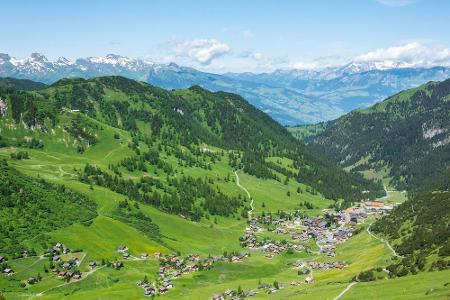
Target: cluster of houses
56, 252
173, 266
66, 269
262, 287
126, 255
271, 247
151, 289
326, 265
233, 295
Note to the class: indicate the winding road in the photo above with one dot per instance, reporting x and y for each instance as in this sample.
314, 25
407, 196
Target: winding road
345, 290
248, 194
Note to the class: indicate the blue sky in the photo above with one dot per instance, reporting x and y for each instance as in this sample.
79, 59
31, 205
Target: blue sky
231, 35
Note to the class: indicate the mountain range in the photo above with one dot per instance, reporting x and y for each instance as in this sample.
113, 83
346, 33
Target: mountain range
290, 96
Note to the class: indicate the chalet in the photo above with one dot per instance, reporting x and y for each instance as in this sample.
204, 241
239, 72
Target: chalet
251, 294
167, 284
117, 264
67, 265
122, 248
149, 291
72, 260
194, 267
32, 280
126, 255
8, 271
66, 250
51, 251
179, 263
228, 292
58, 245
2, 259
354, 218
56, 258
163, 290
309, 280
77, 276
217, 297
62, 274
92, 265
193, 257
140, 283
176, 274
323, 224
295, 283
144, 255
235, 259
298, 264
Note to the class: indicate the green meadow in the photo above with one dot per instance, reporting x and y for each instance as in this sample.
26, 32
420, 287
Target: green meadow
64, 158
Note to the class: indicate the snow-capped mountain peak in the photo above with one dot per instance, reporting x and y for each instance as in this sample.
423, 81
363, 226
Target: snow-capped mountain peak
4, 58
35, 56
62, 61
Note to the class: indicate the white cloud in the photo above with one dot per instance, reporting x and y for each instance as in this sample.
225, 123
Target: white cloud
414, 54
251, 54
396, 3
203, 51
248, 34
304, 65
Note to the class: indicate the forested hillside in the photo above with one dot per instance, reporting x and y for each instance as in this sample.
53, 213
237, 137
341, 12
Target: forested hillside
29, 208
178, 120
21, 84
420, 224
408, 134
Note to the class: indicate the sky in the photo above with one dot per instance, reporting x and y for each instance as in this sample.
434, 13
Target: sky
231, 36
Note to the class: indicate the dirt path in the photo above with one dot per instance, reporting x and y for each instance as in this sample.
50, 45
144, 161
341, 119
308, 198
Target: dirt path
383, 241
115, 150
345, 290
85, 275
248, 194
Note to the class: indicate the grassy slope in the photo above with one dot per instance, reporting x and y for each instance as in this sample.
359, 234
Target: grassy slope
56, 163
189, 236
183, 235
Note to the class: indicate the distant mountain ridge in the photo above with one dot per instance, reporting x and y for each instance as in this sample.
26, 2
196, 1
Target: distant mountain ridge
293, 96
408, 133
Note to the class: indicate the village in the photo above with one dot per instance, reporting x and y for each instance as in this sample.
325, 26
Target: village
297, 232
327, 231
174, 266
